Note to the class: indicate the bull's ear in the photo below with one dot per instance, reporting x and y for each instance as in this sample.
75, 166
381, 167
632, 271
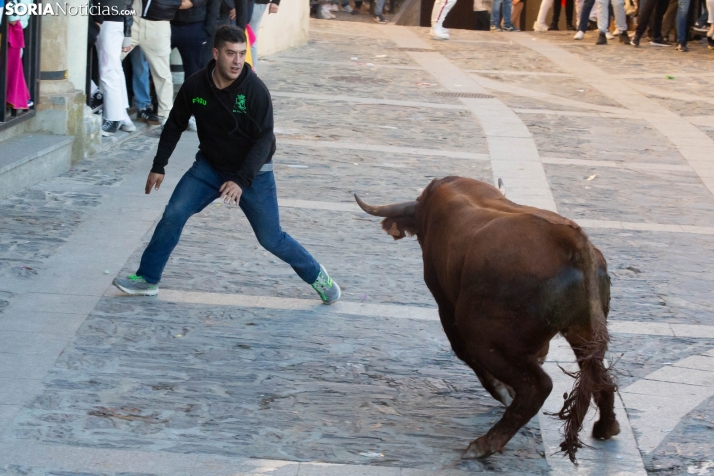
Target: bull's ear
399, 227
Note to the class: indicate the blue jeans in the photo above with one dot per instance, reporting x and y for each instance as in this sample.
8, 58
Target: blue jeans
585, 15
196, 190
682, 13
380, 6
496, 13
140, 78
254, 22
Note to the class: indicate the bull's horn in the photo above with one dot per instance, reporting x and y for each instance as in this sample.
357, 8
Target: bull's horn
393, 210
502, 187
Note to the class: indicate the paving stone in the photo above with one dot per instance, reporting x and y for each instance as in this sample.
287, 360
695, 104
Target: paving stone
376, 124
315, 387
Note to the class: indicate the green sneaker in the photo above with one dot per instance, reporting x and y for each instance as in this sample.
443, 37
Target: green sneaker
136, 286
328, 290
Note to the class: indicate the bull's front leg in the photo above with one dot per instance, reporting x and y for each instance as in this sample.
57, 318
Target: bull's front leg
498, 390
532, 386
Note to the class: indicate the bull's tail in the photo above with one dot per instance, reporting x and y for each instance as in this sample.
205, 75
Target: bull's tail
592, 376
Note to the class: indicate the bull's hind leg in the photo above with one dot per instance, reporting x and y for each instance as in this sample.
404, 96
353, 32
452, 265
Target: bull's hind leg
607, 426
531, 385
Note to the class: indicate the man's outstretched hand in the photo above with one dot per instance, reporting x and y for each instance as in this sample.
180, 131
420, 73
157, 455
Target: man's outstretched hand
154, 181
230, 193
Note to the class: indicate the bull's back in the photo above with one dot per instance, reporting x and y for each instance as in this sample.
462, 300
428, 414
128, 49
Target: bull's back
519, 262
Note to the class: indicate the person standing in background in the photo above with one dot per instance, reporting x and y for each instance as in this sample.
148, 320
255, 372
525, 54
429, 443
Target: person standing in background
259, 8
193, 26
152, 32
17, 93
140, 87
113, 40
557, 7
230, 12
651, 7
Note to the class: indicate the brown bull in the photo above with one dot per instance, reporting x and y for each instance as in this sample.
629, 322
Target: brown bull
507, 278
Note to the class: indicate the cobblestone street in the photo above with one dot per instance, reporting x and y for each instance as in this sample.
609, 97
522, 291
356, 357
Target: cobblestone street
236, 368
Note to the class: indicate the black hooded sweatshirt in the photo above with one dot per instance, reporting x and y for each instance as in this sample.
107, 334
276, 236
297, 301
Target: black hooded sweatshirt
235, 124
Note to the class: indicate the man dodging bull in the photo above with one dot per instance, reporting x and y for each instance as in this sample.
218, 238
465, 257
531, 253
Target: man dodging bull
507, 278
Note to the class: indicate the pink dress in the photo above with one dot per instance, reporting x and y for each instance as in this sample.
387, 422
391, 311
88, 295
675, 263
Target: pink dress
17, 92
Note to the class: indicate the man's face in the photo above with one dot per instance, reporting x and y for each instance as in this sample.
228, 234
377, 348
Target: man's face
230, 59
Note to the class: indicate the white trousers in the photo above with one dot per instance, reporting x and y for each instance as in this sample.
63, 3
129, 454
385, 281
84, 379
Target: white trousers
154, 38
540, 24
111, 73
440, 10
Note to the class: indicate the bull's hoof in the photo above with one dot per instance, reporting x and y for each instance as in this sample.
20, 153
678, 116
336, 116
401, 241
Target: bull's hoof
479, 448
604, 430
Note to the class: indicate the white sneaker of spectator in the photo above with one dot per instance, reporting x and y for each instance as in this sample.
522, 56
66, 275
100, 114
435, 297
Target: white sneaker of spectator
439, 33
347, 8
128, 126
325, 11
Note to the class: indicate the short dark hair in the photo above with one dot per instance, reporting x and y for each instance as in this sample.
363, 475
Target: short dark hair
228, 34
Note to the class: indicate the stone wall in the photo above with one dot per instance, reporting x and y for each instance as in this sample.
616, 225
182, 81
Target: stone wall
286, 29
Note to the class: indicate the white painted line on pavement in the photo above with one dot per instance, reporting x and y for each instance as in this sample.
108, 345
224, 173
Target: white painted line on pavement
356, 64
391, 311
513, 152
387, 102
583, 222
644, 166
78, 459
386, 148
694, 145
552, 112
668, 394
509, 88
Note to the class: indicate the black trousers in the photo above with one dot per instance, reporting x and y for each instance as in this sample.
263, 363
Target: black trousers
656, 7
189, 38
569, 7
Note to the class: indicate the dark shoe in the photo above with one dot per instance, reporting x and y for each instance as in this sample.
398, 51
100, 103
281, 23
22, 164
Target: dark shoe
380, 19
635, 41
553, 27
682, 47
109, 128
601, 39
571, 27
146, 115
355, 11
510, 28
710, 42
624, 38
96, 100
700, 27
660, 42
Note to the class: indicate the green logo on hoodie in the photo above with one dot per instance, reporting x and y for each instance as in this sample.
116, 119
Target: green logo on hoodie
239, 106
